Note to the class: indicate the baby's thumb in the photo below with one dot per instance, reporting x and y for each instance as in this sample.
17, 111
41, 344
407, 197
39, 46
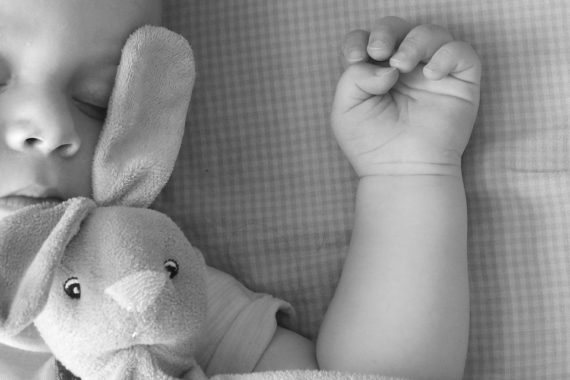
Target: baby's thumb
362, 81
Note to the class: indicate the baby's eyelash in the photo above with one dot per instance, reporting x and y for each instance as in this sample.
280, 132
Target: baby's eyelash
91, 96
5, 74
94, 111
94, 98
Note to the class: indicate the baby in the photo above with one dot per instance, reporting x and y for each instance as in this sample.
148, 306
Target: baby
401, 306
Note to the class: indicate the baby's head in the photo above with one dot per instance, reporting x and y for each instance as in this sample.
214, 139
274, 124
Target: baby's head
58, 60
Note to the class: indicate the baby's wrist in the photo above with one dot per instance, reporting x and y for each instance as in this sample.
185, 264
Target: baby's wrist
412, 156
413, 169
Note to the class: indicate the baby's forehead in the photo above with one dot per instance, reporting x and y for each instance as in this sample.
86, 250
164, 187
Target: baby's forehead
139, 11
130, 11
80, 24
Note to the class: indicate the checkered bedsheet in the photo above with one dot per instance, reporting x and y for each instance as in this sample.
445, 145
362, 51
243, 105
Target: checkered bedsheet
262, 188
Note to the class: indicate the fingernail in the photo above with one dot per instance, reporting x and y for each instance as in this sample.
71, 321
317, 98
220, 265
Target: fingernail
431, 68
355, 55
385, 71
398, 57
377, 45
432, 72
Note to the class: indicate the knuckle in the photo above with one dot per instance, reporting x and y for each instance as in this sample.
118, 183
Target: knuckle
381, 40
390, 25
413, 41
459, 46
468, 49
412, 44
458, 49
383, 33
354, 45
430, 30
446, 53
457, 53
355, 33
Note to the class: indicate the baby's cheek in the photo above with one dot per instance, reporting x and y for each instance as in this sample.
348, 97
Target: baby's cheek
76, 174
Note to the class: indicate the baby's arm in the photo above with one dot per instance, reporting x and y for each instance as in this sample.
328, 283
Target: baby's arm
402, 304
287, 350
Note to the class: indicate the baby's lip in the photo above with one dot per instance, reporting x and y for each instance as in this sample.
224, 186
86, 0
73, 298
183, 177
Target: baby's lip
37, 191
28, 196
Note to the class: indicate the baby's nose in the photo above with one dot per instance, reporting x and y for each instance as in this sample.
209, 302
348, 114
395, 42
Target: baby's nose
28, 140
39, 123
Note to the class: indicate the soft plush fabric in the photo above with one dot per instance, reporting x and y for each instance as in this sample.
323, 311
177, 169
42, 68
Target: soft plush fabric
25, 274
302, 375
263, 190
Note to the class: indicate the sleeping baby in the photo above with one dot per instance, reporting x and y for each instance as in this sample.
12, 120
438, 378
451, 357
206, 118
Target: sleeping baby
402, 125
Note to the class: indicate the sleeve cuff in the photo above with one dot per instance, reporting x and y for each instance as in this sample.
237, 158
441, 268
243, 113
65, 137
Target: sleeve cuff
240, 325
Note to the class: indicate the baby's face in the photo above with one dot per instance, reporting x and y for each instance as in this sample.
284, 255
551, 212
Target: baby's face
58, 60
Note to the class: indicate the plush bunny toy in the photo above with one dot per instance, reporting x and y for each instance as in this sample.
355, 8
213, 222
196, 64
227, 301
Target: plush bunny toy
114, 289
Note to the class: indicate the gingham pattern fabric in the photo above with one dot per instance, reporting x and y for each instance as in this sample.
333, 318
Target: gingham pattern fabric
263, 190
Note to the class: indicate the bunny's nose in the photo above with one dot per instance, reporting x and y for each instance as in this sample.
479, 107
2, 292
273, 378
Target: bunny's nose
139, 290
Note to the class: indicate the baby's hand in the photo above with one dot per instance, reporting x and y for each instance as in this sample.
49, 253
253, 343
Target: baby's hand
407, 102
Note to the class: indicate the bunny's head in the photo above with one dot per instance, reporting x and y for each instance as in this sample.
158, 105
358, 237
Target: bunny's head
128, 279
111, 286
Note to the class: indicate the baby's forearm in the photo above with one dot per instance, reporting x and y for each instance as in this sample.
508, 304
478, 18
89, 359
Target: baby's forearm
402, 304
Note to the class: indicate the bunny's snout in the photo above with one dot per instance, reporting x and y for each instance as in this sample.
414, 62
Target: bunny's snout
137, 291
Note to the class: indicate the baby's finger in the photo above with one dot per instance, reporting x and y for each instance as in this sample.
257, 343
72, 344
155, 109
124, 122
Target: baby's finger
456, 58
354, 47
386, 36
362, 81
419, 46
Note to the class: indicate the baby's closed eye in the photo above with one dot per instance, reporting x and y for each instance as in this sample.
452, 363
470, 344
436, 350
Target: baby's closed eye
92, 98
4, 72
92, 110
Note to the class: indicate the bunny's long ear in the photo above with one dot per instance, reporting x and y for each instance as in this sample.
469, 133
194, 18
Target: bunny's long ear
141, 137
32, 243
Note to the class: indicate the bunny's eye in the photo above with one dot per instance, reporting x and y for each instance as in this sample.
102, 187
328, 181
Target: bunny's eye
72, 288
172, 267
